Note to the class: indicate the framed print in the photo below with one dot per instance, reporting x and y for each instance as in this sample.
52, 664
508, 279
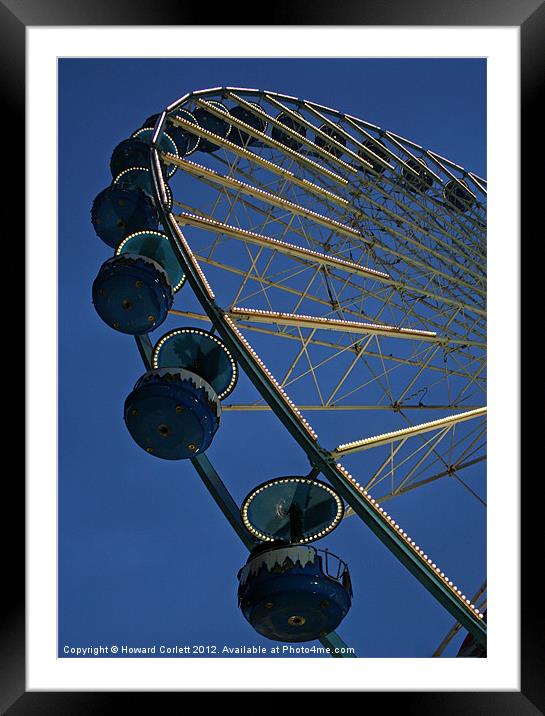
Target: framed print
333, 207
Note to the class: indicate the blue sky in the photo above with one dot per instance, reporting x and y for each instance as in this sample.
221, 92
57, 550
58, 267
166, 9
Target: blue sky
145, 556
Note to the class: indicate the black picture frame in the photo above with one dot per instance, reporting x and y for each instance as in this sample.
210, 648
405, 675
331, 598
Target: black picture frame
15, 16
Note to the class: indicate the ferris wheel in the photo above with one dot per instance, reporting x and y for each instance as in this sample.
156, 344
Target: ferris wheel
342, 268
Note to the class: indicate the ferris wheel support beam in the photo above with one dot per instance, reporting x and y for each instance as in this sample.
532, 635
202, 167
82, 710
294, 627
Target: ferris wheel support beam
210, 177
404, 433
329, 139
409, 220
411, 556
215, 178
274, 144
275, 168
311, 107
303, 321
281, 246
377, 186
306, 255
202, 172
222, 497
421, 483
293, 134
336, 645
440, 162
269, 283
477, 181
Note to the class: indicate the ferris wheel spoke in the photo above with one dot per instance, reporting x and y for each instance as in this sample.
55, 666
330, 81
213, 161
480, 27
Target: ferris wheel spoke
430, 207
281, 246
417, 474
432, 210
356, 348
445, 458
433, 445
402, 216
468, 488
267, 197
428, 210
361, 352
473, 447
385, 357
334, 228
347, 372
421, 469
331, 141
338, 352
304, 321
381, 377
394, 436
293, 134
321, 191
293, 154
472, 379
407, 217
433, 478
300, 253
480, 184
376, 478
427, 360
418, 484
253, 270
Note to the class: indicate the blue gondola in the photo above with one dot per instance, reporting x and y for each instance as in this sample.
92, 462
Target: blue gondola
201, 352
172, 413
422, 180
132, 152
378, 149
166, 144
213, 124
239, 136
186, 142
141, 178
156, 246
283, 137
328, 146
117, 212
458, 196
292, 593
132, 294
174, 410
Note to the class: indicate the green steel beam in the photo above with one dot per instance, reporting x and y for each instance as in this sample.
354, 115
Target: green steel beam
337, 647
222, 497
